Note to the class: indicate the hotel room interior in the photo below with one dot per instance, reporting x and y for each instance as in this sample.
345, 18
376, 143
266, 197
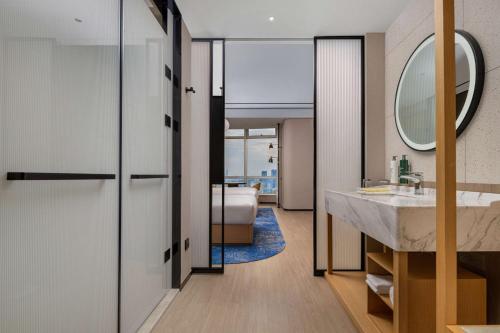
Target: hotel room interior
235, 166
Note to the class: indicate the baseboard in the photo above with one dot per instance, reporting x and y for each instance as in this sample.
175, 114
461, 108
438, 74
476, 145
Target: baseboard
207, 270
155, 316
183, 284
319, 272
298, 210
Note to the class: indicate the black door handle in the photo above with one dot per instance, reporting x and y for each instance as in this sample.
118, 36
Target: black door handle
190, 89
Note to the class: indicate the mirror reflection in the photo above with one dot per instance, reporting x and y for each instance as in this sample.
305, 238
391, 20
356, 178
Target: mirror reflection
415, 97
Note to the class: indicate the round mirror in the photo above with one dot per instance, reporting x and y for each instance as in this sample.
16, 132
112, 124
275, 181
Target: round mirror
415, 105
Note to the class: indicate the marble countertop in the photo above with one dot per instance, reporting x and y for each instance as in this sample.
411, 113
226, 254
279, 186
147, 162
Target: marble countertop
402, 196
406, 222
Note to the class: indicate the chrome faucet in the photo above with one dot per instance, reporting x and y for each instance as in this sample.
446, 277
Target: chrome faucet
416, 178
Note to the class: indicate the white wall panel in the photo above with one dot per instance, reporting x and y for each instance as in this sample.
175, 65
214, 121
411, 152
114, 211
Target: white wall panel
297, 164
200, 150
59, 110
338, 107
218, 67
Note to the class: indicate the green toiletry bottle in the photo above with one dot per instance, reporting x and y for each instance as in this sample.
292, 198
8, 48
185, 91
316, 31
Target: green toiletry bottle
404, 169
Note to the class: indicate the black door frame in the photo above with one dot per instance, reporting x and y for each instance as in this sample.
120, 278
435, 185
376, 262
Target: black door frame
176, 143
216, 153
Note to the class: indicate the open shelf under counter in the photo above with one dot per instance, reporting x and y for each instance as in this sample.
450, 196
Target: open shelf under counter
387, 300
414, 281
383, 259
350, 288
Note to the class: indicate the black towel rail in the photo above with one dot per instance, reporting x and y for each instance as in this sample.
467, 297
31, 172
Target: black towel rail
58, 176
147, 176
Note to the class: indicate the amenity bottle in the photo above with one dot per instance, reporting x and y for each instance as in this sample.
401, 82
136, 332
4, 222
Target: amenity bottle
404, 169
394, 170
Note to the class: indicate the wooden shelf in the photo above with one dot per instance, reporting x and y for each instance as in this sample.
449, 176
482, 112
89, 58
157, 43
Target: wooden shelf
383, 321
382, 259
455, 329
350, 288
422, 265
386, 299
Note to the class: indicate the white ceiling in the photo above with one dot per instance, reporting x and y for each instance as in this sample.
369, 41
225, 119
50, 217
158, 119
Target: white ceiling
293, 18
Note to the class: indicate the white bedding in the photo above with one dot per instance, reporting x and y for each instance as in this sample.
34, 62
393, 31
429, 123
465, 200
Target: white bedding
239, 209
237, 191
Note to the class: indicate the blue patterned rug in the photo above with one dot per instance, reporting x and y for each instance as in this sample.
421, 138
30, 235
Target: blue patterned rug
267, 242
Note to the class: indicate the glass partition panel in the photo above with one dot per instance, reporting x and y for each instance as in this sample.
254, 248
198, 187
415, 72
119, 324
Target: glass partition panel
217, 227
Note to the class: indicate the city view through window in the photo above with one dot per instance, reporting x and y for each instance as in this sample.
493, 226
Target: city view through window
251, 157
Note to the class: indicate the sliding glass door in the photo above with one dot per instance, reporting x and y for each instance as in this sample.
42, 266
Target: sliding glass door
59, 153
147, 163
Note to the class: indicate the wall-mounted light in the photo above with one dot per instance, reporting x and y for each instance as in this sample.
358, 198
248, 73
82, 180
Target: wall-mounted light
271, 159
226, 124
271, 146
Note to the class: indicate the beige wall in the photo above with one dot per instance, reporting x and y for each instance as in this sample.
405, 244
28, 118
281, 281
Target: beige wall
375, 106
297, 163
478, 148
186, 153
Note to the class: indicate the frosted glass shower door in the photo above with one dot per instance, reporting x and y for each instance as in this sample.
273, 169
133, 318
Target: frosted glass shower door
59, 150
147, 163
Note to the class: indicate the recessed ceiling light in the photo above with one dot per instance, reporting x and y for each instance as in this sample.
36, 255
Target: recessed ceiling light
271, 18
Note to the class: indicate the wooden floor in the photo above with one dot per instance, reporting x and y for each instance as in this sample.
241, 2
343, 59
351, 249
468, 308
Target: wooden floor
274, 295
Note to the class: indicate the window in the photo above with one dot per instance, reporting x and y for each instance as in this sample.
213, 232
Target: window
235, 132
262, 132
251, 156
234, 150
260, 162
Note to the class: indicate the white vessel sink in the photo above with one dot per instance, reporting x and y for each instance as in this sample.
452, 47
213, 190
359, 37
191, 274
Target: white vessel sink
407, 222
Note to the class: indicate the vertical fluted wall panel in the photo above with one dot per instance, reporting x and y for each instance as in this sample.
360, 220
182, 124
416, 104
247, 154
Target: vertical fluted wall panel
200, 150
338, 135
59, 112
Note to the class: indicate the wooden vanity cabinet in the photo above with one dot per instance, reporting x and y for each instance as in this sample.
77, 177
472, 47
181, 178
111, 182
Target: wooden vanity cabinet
415, 310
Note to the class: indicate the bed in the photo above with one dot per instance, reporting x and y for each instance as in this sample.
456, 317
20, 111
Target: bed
237, 191
241, 205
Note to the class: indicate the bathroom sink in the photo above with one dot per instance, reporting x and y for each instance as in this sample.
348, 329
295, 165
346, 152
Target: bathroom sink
405, 221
